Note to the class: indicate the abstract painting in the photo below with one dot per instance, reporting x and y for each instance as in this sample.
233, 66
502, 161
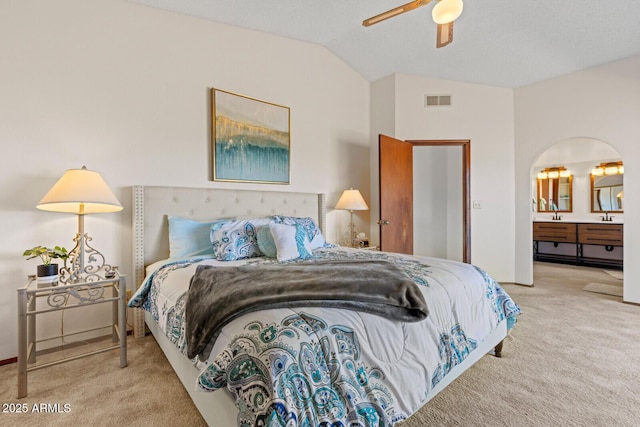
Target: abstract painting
250, 138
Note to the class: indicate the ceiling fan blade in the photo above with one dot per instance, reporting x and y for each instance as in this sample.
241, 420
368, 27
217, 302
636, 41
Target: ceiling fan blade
445, 34
395, 12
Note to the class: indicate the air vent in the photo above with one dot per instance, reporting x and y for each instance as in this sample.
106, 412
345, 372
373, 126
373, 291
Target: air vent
437, 100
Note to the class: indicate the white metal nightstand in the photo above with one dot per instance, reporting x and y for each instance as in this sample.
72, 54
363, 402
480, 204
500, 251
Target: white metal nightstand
67, 297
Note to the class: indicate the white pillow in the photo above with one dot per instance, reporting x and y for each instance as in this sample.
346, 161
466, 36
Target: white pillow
317, 242
314, 236
291, 241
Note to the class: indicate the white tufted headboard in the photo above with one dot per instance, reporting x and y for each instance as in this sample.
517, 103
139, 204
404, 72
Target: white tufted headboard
153, 205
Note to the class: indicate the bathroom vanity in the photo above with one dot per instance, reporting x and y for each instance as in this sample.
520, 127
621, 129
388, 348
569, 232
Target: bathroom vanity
589, 243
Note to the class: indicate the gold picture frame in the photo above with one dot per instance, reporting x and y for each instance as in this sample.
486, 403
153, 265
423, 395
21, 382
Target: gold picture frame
250, 139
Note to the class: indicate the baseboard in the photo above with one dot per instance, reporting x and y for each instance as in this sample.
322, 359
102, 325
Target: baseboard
517, 284
8, 361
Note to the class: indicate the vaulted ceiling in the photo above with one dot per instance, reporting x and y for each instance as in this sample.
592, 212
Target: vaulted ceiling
506, 43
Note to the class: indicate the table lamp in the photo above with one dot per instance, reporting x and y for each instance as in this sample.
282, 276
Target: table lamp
351, 200
81, 192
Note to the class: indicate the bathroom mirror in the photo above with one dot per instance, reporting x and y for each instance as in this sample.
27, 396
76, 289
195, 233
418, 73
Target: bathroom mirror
607, 193
555, 194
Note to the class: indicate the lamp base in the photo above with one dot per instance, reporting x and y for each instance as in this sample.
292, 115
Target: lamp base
349, 237
85, 264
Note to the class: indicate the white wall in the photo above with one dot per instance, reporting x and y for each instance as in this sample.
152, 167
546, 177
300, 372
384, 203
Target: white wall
383, 121
601, 103
481, 114
124, 90
430, 201
455, 214
437, 202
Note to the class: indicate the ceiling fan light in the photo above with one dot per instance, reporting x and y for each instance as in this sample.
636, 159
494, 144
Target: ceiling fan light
446, 11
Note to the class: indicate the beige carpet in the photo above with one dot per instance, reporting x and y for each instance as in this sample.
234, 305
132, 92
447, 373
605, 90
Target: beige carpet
100, 393
618, 274
603, 288
572, 360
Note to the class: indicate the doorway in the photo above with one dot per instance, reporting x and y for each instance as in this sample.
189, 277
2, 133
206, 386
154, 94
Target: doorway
579, 156
397, 192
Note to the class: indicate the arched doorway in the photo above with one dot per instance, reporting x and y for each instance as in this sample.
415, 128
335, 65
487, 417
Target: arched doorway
579, 156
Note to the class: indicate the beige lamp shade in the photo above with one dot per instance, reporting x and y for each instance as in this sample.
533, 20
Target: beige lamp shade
447, 11
352, 200
80, 191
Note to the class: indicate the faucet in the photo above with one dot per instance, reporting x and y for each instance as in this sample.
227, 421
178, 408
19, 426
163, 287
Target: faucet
557, 217
606, 217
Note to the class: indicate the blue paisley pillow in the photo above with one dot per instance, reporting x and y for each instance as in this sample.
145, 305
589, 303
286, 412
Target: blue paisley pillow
237, 239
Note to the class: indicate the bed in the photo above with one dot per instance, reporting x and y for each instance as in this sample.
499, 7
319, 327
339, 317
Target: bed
303, 362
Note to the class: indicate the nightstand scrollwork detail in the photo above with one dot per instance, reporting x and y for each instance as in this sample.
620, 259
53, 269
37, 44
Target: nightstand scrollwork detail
85, 294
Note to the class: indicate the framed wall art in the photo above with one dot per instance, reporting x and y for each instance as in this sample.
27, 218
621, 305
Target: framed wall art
250, 139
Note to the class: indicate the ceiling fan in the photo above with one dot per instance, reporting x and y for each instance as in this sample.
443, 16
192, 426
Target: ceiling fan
444, 13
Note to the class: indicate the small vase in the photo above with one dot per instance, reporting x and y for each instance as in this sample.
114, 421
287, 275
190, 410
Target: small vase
47, 275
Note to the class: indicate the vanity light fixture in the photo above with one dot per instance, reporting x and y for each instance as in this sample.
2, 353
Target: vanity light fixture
608, 168
555, 172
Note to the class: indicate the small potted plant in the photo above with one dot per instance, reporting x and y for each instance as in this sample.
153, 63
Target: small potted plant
47, 269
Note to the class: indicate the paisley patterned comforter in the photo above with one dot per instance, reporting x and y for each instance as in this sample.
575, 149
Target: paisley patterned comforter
314, 366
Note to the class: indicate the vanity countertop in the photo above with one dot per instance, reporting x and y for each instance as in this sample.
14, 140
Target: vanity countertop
582, 221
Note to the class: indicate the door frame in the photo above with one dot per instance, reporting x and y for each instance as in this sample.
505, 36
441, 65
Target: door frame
465, 146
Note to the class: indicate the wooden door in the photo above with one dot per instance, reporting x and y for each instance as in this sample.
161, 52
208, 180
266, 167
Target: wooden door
396, 195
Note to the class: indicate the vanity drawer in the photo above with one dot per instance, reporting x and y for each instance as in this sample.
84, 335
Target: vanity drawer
554, 232
600, 234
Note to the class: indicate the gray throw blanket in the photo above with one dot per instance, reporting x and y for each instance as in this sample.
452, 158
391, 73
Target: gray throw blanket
217, 295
